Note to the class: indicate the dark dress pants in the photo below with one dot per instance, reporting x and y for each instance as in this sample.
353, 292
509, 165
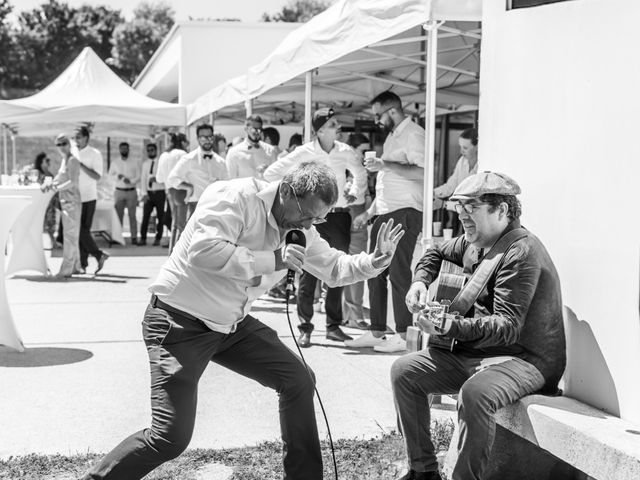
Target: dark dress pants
399, 271
483, 385
87, 243
156, 200
178, 214
180, 347
337, 232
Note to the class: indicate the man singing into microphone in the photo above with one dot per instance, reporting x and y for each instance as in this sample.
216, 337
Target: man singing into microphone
231, 252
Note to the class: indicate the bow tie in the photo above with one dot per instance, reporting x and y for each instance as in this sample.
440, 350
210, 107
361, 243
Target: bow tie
207, 156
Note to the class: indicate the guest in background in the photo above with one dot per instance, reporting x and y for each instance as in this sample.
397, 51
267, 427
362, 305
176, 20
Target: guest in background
220, 145
42, 163
153, 196
91, 168
271, 137
126, 172
177, 212
353, 295
252, 156
294, 142
67, 183
198, 169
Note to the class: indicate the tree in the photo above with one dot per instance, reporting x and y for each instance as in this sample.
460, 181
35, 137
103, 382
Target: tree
5, 45
47, 38
297, 11
135, 42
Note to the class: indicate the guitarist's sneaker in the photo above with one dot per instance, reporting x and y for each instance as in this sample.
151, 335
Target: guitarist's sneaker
392, 344
365, 340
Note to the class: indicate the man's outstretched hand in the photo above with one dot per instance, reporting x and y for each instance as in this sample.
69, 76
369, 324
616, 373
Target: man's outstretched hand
386, 243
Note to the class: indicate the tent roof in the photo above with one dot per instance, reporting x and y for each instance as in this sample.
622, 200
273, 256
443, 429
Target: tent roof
356, 43
89, 91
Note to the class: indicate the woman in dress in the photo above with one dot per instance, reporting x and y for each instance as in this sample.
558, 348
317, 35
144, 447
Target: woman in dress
66, 183
42, 163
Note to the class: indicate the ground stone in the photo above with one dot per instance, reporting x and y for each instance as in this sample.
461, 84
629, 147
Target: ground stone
214, 471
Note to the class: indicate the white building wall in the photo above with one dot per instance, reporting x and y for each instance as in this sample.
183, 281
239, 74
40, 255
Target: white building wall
559, 101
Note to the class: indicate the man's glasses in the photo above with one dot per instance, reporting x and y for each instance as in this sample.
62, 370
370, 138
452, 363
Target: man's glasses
314, 220
62, 144
206, 137
468, 207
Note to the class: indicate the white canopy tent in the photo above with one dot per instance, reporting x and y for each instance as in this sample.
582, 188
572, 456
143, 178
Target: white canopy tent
88, 91
357, 48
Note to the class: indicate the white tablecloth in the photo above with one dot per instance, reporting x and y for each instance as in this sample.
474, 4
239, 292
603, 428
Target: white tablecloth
27, 252
106, 220
11, 209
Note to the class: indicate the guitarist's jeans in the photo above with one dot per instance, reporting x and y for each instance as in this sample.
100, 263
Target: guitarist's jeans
399, 271
481, 389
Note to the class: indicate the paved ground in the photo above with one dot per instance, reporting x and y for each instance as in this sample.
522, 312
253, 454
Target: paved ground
82, 385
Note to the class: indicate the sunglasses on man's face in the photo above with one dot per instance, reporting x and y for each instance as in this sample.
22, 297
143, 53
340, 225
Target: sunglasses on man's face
63, 144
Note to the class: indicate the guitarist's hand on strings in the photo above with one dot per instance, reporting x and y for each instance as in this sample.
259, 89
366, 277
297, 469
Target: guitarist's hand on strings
416, 298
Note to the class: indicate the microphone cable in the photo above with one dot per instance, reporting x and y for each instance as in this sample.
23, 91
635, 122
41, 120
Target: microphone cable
304, 362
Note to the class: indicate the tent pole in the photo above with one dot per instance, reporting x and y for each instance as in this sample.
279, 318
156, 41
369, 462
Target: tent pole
430, 125
308, 87
248, 106
108, 153
4, 150
13, 150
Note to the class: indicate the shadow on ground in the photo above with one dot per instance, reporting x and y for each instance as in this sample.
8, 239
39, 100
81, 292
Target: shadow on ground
102, 277
42, 357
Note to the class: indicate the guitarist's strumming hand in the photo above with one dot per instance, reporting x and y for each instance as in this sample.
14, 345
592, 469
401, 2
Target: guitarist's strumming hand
435, 320
386, 243
416, 298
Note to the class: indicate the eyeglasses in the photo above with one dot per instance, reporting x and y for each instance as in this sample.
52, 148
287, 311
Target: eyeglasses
62, 144
314, 220
468, 207
206, 137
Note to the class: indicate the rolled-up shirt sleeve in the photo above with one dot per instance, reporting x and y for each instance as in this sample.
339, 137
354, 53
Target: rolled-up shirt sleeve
177, 175
214, 245
334, 266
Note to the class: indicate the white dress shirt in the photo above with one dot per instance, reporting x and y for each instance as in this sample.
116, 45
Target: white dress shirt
405, 145
199, 171
341, 158
92, 158
129, 168
166, 162
225, 258
460, 172
149, 176
245, 160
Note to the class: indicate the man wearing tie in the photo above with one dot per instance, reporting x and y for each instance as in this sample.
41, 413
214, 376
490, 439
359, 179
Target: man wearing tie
153, 196
198, 169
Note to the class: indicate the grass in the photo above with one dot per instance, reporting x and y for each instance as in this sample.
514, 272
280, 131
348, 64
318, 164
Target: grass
373, 459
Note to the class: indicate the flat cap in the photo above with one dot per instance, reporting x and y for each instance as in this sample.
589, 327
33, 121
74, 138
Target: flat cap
320, 117
484, 183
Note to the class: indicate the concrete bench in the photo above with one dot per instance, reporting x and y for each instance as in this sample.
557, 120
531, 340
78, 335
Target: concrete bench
558, 437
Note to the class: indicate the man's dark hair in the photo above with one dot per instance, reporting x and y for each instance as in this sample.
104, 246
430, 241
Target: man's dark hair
295, 140
272, 134
357, 139
470, 134
124, 144
494, 200
176, 140
203, 126
83, 131
253, 118
388, 99
311, 178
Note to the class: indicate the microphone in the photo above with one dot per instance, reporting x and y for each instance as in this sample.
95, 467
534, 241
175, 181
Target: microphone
297, 238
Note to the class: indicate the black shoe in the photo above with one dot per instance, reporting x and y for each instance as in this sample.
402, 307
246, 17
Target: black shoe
140, 243
134, 241
156, 242
337, 335
413, 475
103, 258
304, 340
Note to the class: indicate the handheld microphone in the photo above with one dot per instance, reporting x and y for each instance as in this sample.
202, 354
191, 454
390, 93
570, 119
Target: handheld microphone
297, 238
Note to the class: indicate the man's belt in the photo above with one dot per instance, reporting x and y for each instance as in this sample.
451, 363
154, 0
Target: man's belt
125, 189
339, 210
156, 302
